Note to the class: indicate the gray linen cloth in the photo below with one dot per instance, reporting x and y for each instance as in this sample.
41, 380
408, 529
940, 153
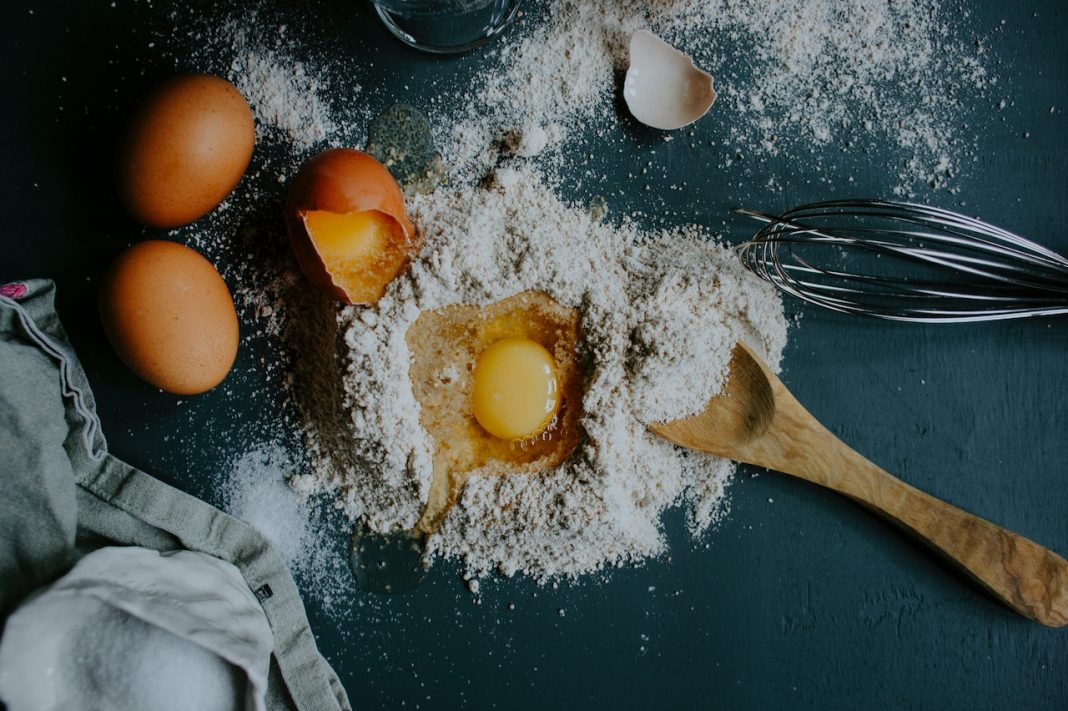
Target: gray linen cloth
62, 495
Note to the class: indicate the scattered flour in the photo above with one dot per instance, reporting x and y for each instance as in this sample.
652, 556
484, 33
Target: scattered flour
660, 313
283, 96
289, 96
256, 490
797, 76
800, 81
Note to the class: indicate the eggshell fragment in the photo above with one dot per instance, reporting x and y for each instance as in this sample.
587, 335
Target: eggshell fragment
170, 317
331, 187
663, 88
186, 150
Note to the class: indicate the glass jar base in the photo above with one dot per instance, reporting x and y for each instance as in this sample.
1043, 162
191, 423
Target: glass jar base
446, 32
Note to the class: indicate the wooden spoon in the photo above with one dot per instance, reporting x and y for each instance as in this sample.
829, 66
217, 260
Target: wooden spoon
756, 420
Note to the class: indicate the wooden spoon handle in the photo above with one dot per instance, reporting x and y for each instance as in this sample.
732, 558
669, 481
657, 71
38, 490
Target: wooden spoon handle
756, 420
1027, 577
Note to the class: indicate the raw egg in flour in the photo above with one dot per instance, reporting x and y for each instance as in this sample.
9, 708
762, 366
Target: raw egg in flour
170, 317
348, 226
186, 150
514, 390
499, 389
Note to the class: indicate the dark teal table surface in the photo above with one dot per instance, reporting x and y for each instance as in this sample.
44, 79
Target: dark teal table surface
799, 598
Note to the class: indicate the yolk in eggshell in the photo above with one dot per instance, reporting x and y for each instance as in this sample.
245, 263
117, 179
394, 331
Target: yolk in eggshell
365, 249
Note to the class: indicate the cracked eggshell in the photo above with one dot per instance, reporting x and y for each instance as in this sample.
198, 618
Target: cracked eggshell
344, 181
663, 88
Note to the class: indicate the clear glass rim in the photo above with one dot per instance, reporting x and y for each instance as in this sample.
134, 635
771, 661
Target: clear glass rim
451, 49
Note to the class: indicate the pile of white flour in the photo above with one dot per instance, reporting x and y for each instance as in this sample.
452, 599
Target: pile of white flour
660, 314
803, 82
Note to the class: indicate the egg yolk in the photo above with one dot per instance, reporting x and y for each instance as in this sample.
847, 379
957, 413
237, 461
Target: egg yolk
362, 251
515, 392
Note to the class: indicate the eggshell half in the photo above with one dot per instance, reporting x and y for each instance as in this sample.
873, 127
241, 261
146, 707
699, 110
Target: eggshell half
170, 317
663, 88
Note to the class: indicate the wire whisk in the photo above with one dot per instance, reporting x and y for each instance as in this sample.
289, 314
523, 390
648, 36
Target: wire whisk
905, 262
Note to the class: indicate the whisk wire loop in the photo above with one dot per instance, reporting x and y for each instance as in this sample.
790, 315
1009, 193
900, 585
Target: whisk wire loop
919, 263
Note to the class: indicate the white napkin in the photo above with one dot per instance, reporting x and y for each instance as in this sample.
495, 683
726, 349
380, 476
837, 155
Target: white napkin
131, 628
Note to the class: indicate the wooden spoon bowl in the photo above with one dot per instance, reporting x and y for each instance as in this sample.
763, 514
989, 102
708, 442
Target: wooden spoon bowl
756, 420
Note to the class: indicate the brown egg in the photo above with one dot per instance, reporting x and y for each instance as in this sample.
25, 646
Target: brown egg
186, 150
348, 226
170, 317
